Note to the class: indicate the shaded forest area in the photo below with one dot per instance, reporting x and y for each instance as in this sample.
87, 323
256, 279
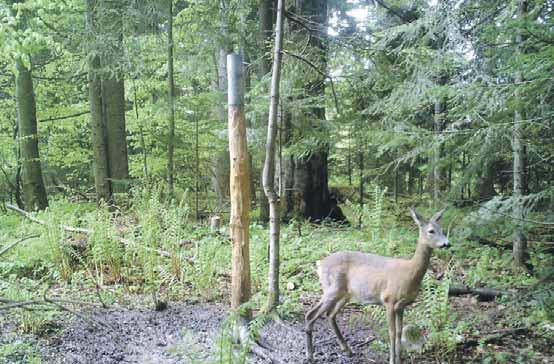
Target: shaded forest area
172, 170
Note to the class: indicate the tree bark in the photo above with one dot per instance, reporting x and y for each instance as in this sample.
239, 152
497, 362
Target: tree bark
98, 131
520, 254
107, 100
239, 186
361, 185
265, 13
484, 187
171, 102
221, 159
113, 96
34, 192
438, 175
310, 192
269, 167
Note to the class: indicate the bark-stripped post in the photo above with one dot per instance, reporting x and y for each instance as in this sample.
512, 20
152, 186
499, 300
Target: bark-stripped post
269, 167
240, 189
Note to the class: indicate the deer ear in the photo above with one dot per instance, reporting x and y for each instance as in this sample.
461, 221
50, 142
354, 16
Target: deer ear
436, 217
417, 218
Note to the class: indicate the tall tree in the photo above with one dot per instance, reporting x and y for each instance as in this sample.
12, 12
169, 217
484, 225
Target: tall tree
307, 192
34, 192
221, 168
519, 181
107, 97
269, 166
171, 100
265, 14
113, 91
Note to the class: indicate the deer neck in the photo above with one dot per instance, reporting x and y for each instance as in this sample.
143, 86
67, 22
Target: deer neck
420, 260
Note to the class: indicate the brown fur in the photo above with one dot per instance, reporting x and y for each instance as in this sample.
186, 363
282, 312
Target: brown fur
372, 279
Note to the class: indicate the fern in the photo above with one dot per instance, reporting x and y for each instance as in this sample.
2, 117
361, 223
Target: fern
434, 315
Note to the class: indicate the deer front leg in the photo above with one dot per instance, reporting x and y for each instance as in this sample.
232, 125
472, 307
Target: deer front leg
391, 318
399, 323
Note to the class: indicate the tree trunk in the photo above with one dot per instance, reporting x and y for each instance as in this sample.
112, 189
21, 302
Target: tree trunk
240, 194
17, 152
107, 101
265, 13
171, 102
269, 167
97, 122
520, 239
485, 182
361, 186
113, 97
221, 161
113, 92
310, 192
34, 192
437, 180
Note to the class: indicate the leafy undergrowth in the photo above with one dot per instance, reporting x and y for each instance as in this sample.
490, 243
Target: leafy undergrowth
156, 250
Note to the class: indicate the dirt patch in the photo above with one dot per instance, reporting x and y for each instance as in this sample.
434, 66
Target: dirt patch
187, 333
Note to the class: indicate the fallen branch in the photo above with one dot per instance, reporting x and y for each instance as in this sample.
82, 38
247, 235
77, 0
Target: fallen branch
11, 245
484, 294
57, 303
90, 321
487, 242
18, 304
70, 229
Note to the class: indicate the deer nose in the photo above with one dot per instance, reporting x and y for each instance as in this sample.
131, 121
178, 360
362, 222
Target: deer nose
446, 244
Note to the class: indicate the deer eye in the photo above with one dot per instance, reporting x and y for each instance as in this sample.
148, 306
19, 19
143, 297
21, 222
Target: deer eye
431, 231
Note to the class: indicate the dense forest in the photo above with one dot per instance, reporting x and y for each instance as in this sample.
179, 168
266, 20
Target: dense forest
174, 174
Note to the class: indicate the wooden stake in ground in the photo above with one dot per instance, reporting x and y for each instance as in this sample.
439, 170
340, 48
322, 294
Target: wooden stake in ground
269, 167
239, 187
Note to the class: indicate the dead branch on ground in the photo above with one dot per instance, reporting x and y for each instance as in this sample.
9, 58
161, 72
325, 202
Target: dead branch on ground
484, 294
11, 245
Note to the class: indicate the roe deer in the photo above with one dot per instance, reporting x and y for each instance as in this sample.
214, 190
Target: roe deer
373, 279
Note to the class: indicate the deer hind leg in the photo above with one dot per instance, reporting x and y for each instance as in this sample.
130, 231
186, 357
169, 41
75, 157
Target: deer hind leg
332, 315
327, 301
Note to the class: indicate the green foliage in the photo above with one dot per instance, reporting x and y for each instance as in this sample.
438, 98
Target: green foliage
434, 314
19, 352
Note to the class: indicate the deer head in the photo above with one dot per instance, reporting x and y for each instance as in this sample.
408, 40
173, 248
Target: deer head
430, 232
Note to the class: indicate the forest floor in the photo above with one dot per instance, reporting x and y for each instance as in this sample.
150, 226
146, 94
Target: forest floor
195, 280
191, 333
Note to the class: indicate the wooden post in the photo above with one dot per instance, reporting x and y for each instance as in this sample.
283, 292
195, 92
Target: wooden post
239, 186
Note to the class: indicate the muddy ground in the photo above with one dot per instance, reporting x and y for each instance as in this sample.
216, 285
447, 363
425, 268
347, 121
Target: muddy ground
190, 332
184, 333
